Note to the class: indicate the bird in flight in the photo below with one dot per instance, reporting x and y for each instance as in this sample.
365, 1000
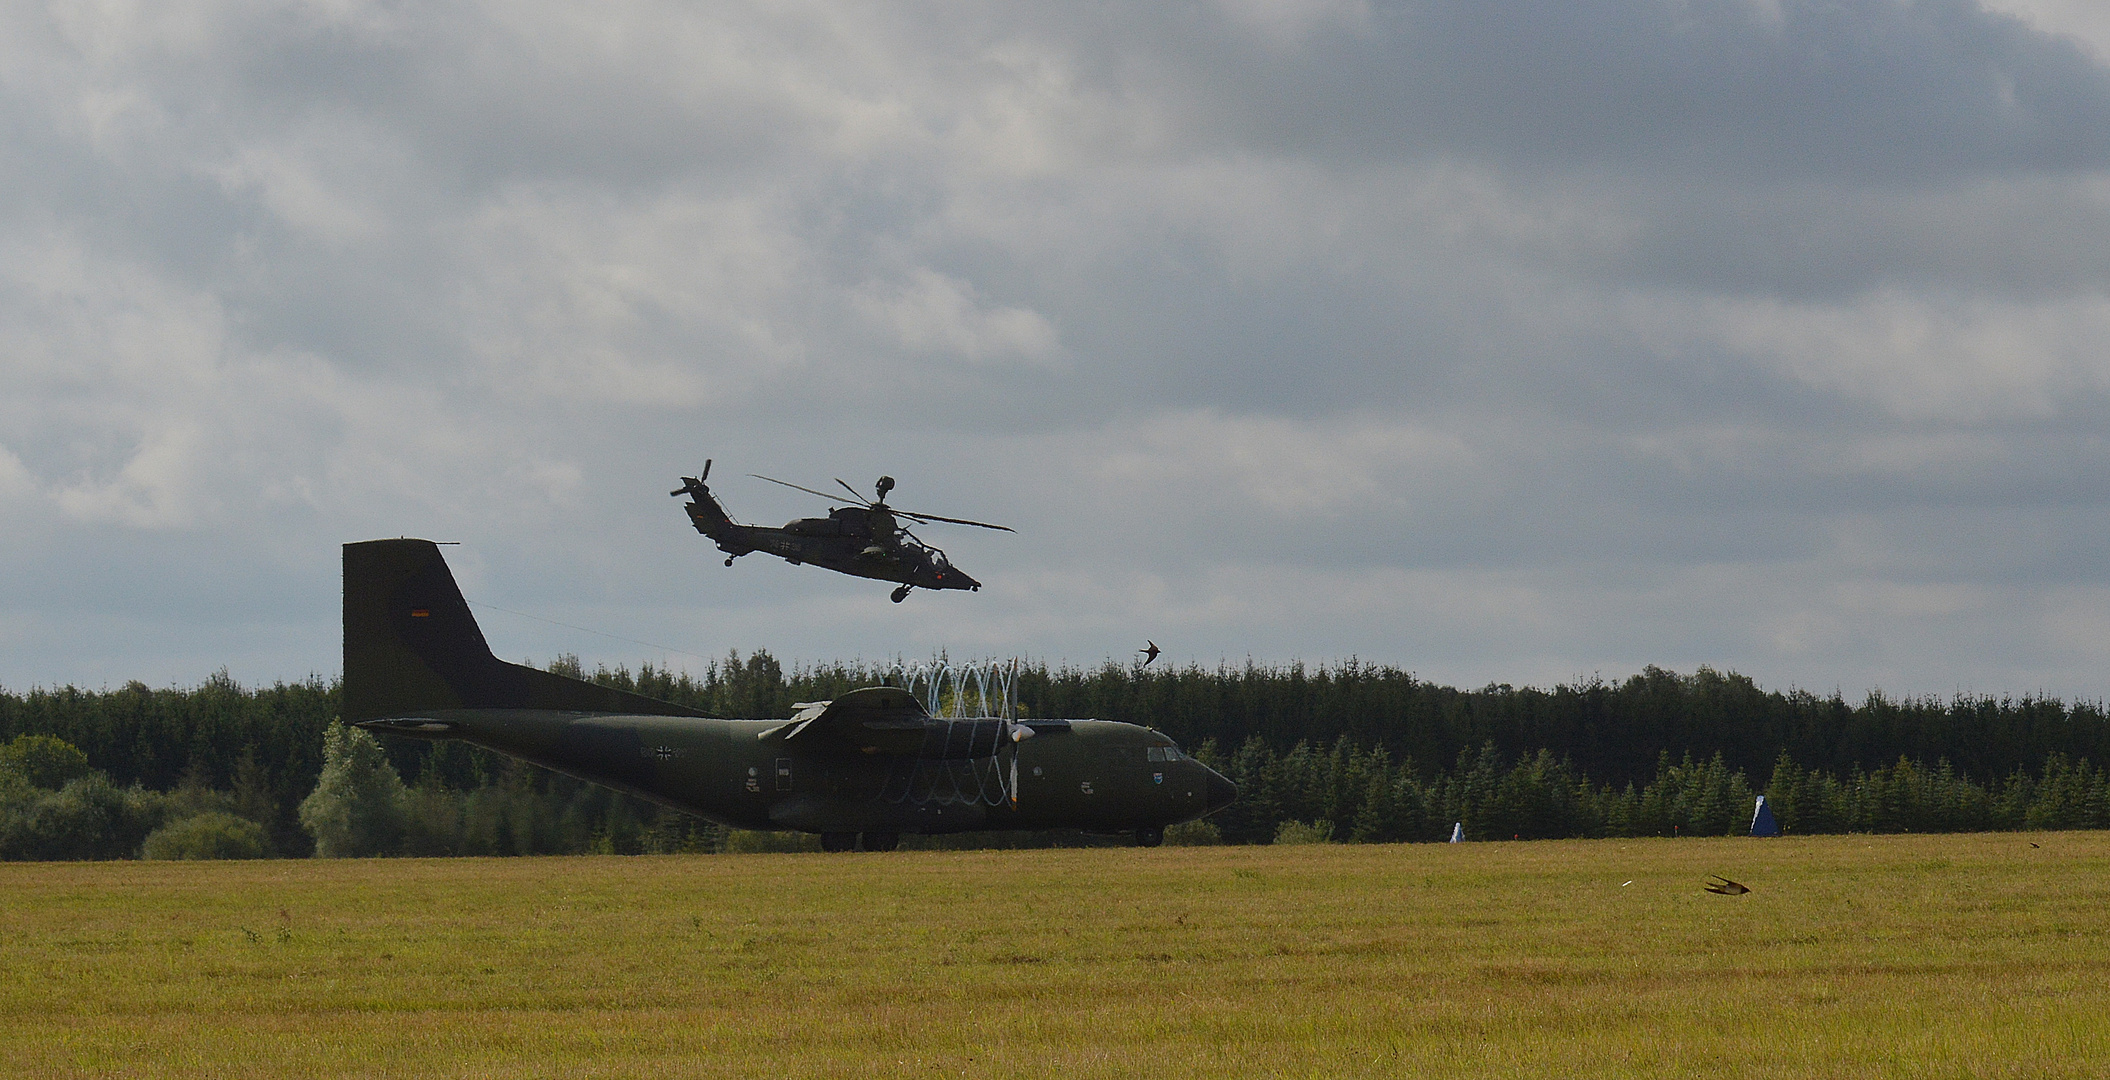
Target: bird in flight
1150, 651
1722, 886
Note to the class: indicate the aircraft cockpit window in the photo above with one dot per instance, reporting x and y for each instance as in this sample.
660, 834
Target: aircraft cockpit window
1165, 753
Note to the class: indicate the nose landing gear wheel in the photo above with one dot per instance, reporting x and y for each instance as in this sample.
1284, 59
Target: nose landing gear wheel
729, 559
900, 594
1149, 837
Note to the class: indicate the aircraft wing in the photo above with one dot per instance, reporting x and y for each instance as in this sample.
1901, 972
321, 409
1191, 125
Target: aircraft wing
874, 720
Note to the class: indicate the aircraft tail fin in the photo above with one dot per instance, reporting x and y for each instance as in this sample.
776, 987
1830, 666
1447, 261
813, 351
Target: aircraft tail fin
412, 648
704, 510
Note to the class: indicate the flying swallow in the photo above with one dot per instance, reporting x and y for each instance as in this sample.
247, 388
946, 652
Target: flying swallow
1150, 652
1722, 886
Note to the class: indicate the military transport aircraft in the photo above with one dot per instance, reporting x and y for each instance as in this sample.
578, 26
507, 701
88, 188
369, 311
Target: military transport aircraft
859, 770
862, 539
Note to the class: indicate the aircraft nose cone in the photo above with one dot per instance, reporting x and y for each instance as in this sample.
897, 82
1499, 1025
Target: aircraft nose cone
1221, 792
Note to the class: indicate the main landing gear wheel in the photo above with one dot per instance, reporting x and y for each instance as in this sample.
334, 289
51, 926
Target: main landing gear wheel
1149, 837
729, 559
880, 841
900, 594
838, 841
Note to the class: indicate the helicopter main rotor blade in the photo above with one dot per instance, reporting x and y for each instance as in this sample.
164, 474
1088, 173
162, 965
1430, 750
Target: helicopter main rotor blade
807, 490
852, 491
951, 521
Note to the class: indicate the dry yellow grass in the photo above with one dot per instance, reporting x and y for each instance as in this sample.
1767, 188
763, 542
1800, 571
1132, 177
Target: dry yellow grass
1913, 956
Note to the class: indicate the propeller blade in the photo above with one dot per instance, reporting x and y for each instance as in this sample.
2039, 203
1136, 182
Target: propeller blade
705, 478
952, 521
1019, 734
807, 490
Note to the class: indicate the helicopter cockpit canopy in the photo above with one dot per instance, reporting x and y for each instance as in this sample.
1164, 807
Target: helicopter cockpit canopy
937, 558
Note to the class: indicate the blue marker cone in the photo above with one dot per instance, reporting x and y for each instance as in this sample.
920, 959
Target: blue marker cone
1762, 823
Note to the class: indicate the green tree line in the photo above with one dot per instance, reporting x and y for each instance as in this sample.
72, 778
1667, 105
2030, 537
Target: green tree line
1350, 793
1351, 751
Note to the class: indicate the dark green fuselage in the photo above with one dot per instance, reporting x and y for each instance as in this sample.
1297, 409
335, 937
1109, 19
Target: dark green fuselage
1094, 775
872, 763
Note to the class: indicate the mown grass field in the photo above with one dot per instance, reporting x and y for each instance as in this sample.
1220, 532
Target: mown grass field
1910, 956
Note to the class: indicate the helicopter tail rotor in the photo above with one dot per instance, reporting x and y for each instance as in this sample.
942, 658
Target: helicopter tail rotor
690, 485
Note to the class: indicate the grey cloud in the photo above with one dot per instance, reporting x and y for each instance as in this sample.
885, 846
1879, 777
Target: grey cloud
2024, 239
1505, 341
1879, 89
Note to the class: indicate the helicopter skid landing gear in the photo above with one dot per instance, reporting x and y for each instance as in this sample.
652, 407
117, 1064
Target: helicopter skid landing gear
900, 594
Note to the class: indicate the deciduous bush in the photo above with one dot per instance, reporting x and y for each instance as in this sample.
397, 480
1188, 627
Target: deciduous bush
359, 806
1298, 832
211, 835
1193, 834
43, 760
89, 818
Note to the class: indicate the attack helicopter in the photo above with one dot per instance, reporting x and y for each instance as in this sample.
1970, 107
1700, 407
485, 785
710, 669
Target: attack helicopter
862, 538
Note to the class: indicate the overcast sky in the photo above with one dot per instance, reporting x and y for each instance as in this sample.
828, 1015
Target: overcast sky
1500, 340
